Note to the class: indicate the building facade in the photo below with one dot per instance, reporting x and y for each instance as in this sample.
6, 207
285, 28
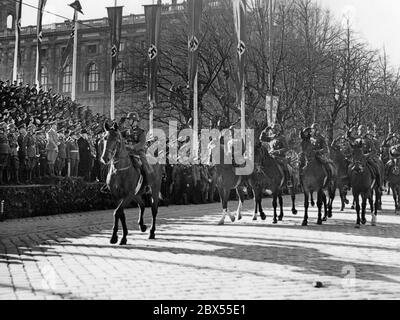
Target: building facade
94, 61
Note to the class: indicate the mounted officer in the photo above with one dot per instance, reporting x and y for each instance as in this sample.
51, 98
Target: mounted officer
277, 148
371, 152
321, 149
136, 141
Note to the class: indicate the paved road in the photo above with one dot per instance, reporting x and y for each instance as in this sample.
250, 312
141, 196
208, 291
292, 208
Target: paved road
69, 257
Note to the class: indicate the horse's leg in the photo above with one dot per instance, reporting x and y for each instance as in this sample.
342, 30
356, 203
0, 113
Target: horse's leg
364, 206
255, 206
293, 197
114, 237
240, 194
326, 206
375, 213
275, 205
142, 207
306, 205
312, 199
357, 206
224, 194
319, 206
262, 214
154, 210
342, 198
280, 198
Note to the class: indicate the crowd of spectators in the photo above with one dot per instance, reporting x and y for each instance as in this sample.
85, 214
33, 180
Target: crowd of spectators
44, 134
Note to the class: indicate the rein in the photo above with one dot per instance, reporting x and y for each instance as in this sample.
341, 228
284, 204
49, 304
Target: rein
114, 161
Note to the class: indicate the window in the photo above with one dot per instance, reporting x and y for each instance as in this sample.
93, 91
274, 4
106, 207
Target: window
121, 72
122, 46
43, 53
10, 21
93, 77
92, 49
44, 78
67, 79
20, 77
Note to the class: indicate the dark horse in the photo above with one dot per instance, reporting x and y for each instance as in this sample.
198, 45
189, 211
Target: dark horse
315, 178
342, 165
363, 182
268, 175
393, 175
125, 182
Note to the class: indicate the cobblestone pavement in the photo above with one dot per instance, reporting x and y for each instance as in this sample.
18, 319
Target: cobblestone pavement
69, 256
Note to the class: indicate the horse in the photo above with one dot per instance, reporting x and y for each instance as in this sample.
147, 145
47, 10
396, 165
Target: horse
125, 182
363, 182
315, 178
268, 175
342, 165
226, 180
393, 175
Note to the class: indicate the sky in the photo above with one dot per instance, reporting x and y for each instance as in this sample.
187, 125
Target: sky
376, 21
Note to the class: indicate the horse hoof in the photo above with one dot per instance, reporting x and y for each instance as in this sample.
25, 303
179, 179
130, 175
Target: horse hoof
114, 239
352, 207
152, 236
346, 201
275, 221
239, 217
123, 242
319, 222
330, 215
221, 222
280, 218
263, 216
325, 219
233, 218
294, 212
363, 221
143, 227
357, 226
254, 218
304, 224
312, 203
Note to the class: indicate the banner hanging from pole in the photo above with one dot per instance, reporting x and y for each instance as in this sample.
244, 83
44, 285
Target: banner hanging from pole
153, 24
239, 16
17, 52
195, 8
39, 37
115, 21
67, 52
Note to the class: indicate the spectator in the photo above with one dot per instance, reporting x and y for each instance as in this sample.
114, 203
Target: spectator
72, 151
52, 147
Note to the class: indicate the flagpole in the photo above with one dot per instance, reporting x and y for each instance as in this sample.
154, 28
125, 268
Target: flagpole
270, 63
75, 56
196, 116
16, 50
113, 76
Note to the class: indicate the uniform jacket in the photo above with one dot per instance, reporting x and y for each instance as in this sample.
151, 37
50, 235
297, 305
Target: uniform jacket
13, 141
72, 149
30, 144
136, 140
4, 146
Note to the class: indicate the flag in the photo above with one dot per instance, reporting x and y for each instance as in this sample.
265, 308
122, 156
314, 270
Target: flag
42, 4
66, 54
115, 21
195, 9
239, 16
153, 19
17, 53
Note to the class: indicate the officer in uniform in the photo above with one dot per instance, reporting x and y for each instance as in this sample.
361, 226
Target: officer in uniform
277, 148
136, 140
322, 151
369, 149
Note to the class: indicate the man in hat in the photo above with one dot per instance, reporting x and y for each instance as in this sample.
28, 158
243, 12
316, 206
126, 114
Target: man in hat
31, 151
4, 150
277, 148
62, 155
322, 151
52, 147
136, 140
369, 149
72, 152
85, 156
14, 159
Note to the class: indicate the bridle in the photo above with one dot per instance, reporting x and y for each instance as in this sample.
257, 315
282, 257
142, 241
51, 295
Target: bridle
117, 150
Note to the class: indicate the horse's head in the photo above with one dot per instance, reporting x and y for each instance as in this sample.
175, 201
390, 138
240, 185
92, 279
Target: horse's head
112, 142
359, 159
